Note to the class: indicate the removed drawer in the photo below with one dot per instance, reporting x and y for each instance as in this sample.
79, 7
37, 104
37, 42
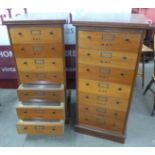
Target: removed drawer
41, 77
42, 110
43, 92
41, 127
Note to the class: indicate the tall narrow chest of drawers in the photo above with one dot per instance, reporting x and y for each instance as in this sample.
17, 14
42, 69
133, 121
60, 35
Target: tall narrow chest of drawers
38, 47
108, 49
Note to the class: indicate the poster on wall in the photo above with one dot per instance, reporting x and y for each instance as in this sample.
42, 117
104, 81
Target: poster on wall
7, 64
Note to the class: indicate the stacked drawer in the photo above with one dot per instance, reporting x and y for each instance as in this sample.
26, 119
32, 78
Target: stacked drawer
39, 53
106, 67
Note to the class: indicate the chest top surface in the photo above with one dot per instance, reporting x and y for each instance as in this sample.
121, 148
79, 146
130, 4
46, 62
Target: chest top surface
111, 20
36, 18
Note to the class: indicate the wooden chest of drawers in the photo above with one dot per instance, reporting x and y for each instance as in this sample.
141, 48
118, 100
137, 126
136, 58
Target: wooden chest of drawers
38, 48
108, 50
55, 128
47, 92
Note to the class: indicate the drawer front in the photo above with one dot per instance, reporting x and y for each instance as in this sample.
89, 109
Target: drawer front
34, 77
48, 95
38, 50
107, 58
40, 65
45, 112
36, 34
104, 88
109, 40
114, 103
40, 128
102, 111
116, 75
101, 122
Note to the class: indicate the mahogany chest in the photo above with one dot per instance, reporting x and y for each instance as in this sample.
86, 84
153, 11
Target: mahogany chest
108, 49
38, 48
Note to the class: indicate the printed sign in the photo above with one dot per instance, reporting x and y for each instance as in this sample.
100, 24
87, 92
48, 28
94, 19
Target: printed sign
7, 64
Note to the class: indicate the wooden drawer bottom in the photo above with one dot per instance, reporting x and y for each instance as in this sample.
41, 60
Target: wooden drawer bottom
41, 128
37, 110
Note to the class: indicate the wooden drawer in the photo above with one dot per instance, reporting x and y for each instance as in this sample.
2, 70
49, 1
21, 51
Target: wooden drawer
40, 64
37, 110
116, 75
38, 127
38, 50
114, 103
97, 110
110, 40
41, 77
101, 122
35, 34
107, 58
47, 92
104, 88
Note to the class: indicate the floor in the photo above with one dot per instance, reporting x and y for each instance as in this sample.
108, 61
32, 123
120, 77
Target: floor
140, 130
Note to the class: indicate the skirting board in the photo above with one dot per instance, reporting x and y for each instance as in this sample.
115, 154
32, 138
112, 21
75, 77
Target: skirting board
118, 137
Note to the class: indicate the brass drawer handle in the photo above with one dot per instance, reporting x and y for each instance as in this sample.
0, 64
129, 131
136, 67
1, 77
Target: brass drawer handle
120, 89
53, 62
53, 129
53, 112
115, 114
25, 63
25, 128
124, 57
52, 48
122, 74
127, 39
86, 108
88, 54
19, 33
54, 76
27, 76
51, 33
86, 119
88, 70
22, 49
25, 112
87, 97
87, 84
117, 102
89, 37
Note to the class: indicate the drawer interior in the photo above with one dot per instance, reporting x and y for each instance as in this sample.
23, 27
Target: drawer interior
41, 86
37, 103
